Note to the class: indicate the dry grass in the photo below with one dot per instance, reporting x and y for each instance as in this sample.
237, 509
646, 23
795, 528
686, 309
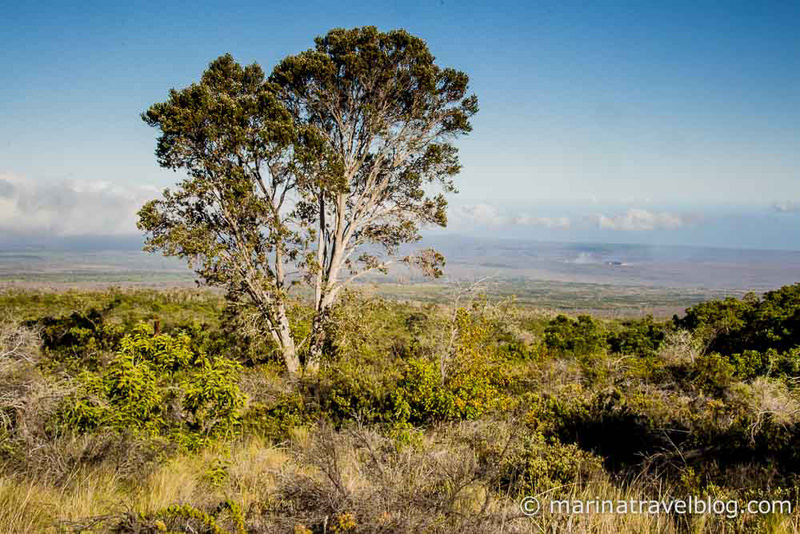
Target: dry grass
353, 480
18, 345
680, 347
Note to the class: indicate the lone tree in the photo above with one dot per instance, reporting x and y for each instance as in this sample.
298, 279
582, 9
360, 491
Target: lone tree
316, 174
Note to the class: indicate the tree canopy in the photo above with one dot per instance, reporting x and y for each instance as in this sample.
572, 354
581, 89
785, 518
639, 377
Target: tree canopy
317, 173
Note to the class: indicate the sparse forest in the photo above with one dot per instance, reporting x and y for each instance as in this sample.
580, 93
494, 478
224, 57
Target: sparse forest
149, 411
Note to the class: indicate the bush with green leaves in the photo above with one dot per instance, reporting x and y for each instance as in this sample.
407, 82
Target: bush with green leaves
733, 325
711, 374
274, 420
422, 395
545, 465
150, 373
349, 389
581, 336
79, 338
131, 386
468, 379
639, 337
168, 353
212, 400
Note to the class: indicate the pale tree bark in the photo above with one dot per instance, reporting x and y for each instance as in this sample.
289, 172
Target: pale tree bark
286, 343
338, 147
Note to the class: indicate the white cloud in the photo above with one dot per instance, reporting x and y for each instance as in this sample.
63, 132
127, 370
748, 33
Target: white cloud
482, 214
488, 215
69, 208
547, 222
787, 207
639, 219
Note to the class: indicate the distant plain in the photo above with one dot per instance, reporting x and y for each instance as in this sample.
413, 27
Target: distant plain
609, 279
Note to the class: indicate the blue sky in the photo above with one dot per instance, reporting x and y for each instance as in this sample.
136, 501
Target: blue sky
653, 122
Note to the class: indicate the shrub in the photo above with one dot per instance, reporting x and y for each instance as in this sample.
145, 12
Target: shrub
641, 337
515, 350
133, 391
680, 347
581, 336
212, 399
167, 353
547, 465
420, 395
78, 335
423, 395
733, 325
276, 419
350, 390
150, 372
85, 409
712, 374
18, 345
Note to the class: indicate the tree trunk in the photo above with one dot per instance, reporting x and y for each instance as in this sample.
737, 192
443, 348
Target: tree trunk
291, 359
286, 341
317, 341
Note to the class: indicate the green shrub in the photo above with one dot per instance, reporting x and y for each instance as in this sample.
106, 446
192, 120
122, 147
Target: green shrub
132, 389
212, 399
275, 420
580, 336
78, 338
351, 390
422, 395
547, 465
149, 373
84, 410
642, 337
734, 325
712, 374
165, 352
515, 350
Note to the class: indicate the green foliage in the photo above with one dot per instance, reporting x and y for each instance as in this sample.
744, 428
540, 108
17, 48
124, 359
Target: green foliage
276, 419
133, 392
149, 372
271, 184
463, 385
117, 307
752, 363
712, 374
217, 472
642, 337
543, 465
516, 350
85, 410
372, 330
708, 422
82, 336
191, 517
350, 390
421, 395
581, 336
165, 352
212, 399
732, 325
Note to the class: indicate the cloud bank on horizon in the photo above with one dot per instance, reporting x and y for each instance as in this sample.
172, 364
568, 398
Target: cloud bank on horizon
633, 219
69, 208
775, 226
31, 209
787, 207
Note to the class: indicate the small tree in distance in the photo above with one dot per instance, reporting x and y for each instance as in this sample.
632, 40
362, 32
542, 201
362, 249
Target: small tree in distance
318, 173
